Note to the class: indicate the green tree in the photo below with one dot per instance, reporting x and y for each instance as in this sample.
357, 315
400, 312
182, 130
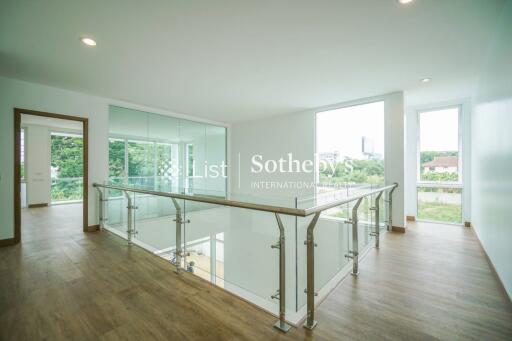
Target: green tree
67, 155
355, 171
67, 158
116, 157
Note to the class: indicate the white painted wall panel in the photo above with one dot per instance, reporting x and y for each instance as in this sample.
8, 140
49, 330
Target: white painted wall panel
37, 156
492, 152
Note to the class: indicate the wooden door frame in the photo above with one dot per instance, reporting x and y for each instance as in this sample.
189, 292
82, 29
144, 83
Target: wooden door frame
17, 165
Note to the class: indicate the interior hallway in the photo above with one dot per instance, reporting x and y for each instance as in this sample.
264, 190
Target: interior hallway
432, 282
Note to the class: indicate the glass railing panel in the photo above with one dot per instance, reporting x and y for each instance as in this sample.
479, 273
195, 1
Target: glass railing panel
331, 236
155, 224
383, 211
231, 247
204, 222
116, 211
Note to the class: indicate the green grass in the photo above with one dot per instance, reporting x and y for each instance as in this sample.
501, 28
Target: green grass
439, 212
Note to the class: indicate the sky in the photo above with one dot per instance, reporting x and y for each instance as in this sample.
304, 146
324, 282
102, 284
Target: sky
342, 129
439, 130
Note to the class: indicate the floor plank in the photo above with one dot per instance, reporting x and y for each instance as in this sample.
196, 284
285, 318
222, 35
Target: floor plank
432, 282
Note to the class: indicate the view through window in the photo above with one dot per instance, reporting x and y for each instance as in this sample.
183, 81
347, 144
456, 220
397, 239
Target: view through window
350, 151
163, 153
148, 163
439, 173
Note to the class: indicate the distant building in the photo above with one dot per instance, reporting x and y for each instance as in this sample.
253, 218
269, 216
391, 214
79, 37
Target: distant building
331, 157
442, 164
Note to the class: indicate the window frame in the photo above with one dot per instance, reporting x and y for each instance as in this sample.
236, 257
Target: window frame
444, 184
343, 106
154, 142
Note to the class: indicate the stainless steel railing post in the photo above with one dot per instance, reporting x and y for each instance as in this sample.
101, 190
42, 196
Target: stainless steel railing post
390, 208
310, 291
101, 208
179, 222
376, 208
354, 253
281, 293
130, 230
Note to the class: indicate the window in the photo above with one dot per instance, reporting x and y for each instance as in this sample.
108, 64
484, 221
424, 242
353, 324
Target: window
150, 164
166, 171
190, 167
350, 146
159, 152
350, 152
141, 163
190, 160
439, 146
116, 159
439, 166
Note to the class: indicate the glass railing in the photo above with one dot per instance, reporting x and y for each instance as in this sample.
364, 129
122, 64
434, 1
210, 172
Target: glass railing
282, 254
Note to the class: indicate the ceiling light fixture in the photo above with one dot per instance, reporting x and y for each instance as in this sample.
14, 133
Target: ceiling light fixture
426, 80
88, 41
403, 2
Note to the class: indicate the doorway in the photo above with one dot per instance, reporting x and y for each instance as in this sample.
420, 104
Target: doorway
50, 168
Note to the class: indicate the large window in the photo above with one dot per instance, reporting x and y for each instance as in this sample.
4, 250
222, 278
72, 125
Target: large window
148, 164
190, 167
350, 146
439, 166
165, 153
350, 153
141, 163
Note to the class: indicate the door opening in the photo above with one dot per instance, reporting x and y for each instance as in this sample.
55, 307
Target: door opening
50, 169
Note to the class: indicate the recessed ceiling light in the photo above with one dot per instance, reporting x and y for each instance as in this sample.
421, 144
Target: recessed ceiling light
88, 41
426, 80
403, 2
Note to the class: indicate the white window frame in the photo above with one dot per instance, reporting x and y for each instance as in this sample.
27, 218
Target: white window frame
460, 148
355, 103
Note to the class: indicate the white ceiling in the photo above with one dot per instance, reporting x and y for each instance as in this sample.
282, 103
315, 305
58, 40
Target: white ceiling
237, 60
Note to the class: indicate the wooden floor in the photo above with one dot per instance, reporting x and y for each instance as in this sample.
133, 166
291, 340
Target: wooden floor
431, 283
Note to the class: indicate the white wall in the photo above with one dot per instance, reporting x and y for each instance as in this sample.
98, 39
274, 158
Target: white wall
272, 138
492, 152
275, 137
26, 95
37, 164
